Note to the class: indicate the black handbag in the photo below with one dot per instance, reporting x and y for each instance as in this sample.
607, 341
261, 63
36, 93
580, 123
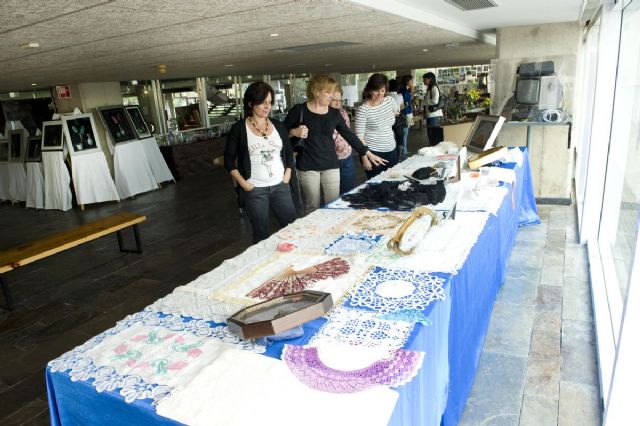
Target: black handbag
298, 143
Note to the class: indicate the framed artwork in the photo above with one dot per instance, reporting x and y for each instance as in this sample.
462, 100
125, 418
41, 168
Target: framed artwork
118, 124
4, 151
80, 134
52, 136
483, 133
139, 125
34, 150
16, 145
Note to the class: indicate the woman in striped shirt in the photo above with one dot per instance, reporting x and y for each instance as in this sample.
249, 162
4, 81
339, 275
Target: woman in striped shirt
373, 122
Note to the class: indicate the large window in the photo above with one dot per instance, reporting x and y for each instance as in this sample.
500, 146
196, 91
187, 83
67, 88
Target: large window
621, 205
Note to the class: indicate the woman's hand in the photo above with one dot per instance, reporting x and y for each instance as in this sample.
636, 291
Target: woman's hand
366, 164
300, 132
374, 159
287, 176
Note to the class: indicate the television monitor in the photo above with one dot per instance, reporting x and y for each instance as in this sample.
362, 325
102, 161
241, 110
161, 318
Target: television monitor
528, 91
483, 133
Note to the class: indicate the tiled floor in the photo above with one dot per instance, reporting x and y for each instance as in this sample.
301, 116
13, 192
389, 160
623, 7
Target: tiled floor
538, 366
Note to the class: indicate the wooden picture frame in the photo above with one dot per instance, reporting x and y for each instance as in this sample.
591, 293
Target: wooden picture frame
52, 136
17, 142
118, 123
34, 150
138, 121
80, 134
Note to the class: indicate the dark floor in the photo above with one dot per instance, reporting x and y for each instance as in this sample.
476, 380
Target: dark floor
191, 228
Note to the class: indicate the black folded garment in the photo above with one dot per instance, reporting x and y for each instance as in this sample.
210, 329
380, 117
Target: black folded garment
387, 194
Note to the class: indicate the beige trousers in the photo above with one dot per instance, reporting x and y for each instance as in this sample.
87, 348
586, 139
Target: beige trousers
314, 184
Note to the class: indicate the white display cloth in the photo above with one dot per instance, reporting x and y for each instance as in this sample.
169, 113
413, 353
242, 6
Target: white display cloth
444, 248
4, 182
57, 190
156, 160
91, 179
133, 173
275, 395
17, 181
35, 185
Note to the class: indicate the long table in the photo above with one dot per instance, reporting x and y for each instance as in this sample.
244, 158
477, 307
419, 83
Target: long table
82, 391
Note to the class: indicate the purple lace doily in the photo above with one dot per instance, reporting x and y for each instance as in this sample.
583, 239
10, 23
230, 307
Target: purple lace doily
305, 364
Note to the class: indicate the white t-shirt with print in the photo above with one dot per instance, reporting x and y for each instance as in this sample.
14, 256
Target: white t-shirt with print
264, 153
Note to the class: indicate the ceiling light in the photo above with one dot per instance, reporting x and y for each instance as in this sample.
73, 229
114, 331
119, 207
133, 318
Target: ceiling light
34, 84
425, 50
162, 68
228, 65
30, 45
327, 65
452, 45
134, 82
274, 35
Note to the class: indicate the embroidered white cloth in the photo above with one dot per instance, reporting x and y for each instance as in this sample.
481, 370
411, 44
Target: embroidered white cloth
148, 355
273, 396
224, 291
445, 247
17, 181
57, 189
91, 179
35, 185
371, 221
132, 171
158, 166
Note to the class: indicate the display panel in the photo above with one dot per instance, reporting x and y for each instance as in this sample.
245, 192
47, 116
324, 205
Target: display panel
52, 136
79, 131
34, 149
117, 123
483, 133
139, 124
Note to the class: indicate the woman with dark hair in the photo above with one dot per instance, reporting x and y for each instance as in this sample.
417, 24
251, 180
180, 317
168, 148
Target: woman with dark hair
318, 167
373, 122
431, 98
259, 158
401, 121
406, 89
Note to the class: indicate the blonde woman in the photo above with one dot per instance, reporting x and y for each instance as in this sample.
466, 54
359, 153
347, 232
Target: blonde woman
314, 121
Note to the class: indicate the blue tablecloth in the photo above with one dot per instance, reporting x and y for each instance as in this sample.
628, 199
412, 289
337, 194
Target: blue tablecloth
452, 341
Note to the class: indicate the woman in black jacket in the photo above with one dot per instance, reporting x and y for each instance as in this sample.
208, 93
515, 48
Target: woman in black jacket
259, 158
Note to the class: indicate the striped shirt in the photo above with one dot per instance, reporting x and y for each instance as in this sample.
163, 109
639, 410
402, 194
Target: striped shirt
373, 125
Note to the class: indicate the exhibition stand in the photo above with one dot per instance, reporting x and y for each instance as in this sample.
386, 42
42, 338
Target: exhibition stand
57, 189
35, 185
133, 174
91, 179
17, 182
411, 330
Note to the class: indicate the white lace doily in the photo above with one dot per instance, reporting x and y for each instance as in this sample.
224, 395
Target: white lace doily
392, 290
361, 328
353, 244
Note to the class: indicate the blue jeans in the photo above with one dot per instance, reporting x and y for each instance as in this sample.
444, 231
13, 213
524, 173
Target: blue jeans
405, 136
347, 175
391, 157
435, 137
259, 200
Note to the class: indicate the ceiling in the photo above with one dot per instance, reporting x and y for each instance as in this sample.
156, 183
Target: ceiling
114, 40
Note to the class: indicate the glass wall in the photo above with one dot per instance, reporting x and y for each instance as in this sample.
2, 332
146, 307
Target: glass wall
181, 104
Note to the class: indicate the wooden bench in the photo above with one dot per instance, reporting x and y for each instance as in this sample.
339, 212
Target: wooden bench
47, 246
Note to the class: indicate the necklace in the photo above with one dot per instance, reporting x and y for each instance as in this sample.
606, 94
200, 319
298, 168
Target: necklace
266, 129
